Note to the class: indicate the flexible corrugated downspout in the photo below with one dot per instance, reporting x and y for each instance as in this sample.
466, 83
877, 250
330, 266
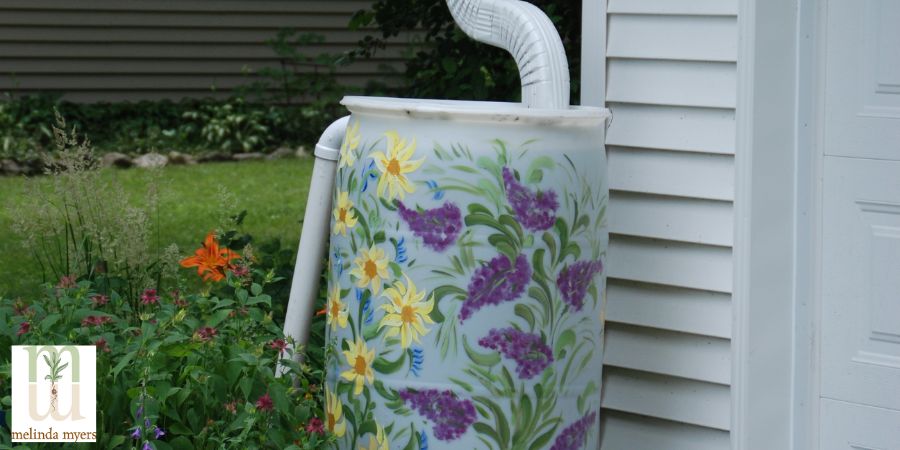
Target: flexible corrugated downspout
529, 36
314, 238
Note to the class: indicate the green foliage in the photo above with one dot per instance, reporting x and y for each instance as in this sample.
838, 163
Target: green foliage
306, 83
449, 64
189, 125
197, 361
195, 366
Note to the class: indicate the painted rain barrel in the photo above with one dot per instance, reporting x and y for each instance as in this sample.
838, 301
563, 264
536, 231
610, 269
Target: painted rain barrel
466, 276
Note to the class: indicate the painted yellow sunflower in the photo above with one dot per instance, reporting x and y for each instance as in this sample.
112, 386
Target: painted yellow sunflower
371, 268
378, 441
344, 217
406, 313
360, 358
334, 414
351, 142
395, 165
336, 311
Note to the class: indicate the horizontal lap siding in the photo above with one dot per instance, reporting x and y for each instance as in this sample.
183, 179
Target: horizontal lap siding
671, 85
108, 50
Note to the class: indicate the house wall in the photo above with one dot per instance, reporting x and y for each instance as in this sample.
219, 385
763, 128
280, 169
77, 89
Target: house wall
671, 85
106, 50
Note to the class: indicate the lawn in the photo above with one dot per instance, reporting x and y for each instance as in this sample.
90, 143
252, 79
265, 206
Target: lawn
272, 192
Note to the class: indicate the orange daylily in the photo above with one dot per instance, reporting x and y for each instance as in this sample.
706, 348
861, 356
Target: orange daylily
211, 260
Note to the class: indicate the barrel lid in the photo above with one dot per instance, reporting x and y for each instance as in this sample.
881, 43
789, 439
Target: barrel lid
480, 111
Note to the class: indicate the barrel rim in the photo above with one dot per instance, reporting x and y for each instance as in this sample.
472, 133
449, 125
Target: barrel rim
482, 111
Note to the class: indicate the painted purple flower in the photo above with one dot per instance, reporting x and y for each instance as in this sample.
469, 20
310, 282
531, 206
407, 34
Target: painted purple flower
574, 280
535, 211
437, 227
572, 437
528, 350
496, 282
451, 416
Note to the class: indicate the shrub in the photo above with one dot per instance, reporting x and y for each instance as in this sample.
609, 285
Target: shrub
198, 367
449, 64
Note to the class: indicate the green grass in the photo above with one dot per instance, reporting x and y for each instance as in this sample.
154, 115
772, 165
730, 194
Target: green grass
273, 193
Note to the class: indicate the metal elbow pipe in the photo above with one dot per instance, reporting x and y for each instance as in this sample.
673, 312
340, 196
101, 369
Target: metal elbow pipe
314, 236
529, 36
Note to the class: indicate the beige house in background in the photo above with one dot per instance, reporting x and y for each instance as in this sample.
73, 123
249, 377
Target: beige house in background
112, 50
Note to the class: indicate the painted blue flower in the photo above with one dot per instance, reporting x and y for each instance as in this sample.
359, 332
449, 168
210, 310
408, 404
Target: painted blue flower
400, 247
337, 262
418, 358
438, 193
423, 441
368, 311
369, 174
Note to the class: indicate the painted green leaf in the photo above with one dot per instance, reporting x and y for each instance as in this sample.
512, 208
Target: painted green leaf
542, 440
482, 359
484, 429
535, 173
383, 365
525, 313
477, 208
566, 339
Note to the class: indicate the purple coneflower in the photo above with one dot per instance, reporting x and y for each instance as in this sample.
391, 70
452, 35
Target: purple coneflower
99, 300
149, 297
264, 403
204, 334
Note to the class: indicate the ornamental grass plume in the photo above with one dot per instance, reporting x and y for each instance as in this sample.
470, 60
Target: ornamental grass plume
451, 416
496, 282
528, 350
78, 223
211, 260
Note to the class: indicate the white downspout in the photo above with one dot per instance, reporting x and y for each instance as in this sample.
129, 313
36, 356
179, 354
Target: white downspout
314, 236
529, 36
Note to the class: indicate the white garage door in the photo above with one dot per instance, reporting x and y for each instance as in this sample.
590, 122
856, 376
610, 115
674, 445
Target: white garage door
860, 314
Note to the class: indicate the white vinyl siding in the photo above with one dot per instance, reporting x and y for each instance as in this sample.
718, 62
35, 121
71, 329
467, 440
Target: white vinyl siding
109, 50
671, 85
